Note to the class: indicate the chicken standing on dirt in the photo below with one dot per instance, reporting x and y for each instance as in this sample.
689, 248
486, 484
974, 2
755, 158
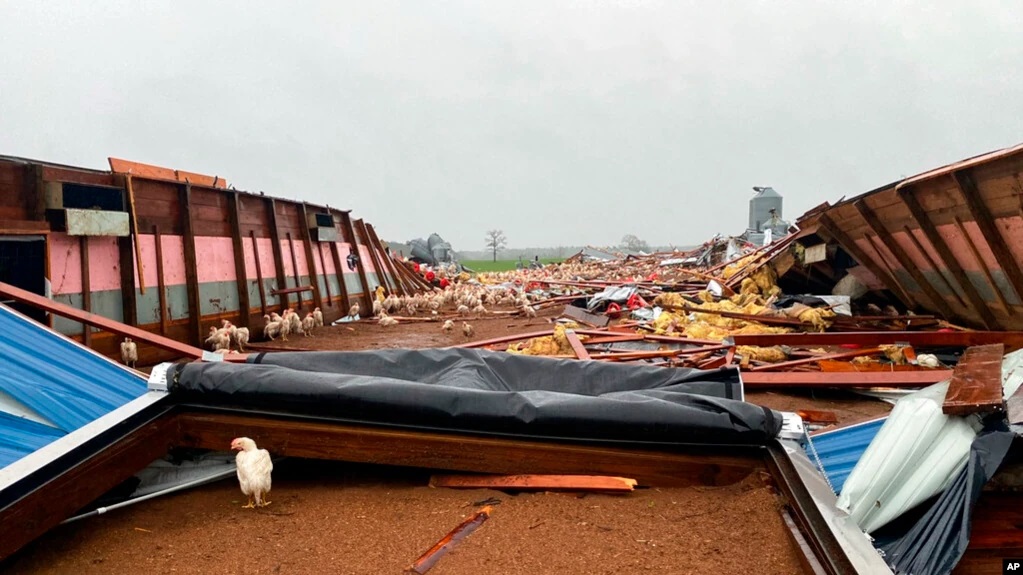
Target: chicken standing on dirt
354, 310
318, 316
129, 352
448, 326
467, 329
254, 468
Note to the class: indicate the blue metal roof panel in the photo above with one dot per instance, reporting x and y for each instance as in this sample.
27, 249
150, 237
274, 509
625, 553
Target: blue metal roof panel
58, 378
840, 449
21, 436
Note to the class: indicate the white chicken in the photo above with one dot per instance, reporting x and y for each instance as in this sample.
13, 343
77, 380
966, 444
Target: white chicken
353, 311
387, 321
254, 468
528, 311
296, 322
272, 329
378, 307
318, 316
218, 338
129, 352
308, 323
241, 337
448, 326
467, 329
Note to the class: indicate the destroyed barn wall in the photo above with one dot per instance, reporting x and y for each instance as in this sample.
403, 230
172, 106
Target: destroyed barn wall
949, 241
228, 254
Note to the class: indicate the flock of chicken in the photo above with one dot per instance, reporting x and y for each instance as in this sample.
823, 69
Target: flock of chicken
283, 325
469, 300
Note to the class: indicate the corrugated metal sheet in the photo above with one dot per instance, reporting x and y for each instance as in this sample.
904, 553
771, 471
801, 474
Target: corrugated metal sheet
20, 436
62, 381
838, 451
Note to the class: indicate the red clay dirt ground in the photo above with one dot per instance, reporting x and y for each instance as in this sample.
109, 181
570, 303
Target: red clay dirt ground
356, 519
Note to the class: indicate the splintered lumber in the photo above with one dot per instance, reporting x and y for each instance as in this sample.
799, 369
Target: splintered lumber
427, 560
577, 345
844, 379
818, 416
596, 483
976, 381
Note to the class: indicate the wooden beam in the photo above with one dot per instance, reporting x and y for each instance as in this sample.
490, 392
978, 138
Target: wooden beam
275, 239
934, 265
577, 345
104, 323
52, 502
976, 384
259, 272
986, 222
388, 261
861, 257
129, 299
191, 267
135, 234
242, 275
371, 247
979, 261
349, 233
83, 246
947, 257
590, 483
1012, 340
339, 272
907, 263
307, 241
298, 289
460, 452
326, 280
844, 379
161, 281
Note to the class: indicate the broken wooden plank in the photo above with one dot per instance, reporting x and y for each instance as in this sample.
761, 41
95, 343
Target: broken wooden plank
596, 483
583, 316
429, 559
976, 384
818, 416
845, 379
577, 345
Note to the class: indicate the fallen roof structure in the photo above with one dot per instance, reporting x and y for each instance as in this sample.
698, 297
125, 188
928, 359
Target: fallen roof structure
946, 241
51, 386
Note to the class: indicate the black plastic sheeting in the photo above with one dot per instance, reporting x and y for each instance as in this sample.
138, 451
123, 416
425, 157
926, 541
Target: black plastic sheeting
937, 541
468, 390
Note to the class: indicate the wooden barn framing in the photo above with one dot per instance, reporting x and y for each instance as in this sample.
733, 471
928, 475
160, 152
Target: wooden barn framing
175, 252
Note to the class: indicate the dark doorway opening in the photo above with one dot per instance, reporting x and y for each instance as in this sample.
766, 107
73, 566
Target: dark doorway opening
23, 265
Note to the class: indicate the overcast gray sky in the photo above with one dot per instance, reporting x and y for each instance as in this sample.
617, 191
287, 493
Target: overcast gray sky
560, 122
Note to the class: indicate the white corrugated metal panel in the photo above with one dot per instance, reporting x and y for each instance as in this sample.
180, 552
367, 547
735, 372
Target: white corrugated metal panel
917, 452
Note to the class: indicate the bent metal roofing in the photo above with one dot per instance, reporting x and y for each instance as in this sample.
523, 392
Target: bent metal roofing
50, 386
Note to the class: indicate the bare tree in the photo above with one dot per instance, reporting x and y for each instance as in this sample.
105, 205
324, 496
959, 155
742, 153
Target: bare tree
496, 241
633, 243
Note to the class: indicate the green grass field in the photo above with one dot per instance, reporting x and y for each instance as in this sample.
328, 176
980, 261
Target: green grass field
500, 265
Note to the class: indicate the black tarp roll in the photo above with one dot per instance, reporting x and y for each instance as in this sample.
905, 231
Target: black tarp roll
471, 390
937, 541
